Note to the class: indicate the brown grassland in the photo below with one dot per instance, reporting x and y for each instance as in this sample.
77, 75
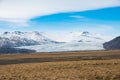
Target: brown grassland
86, 65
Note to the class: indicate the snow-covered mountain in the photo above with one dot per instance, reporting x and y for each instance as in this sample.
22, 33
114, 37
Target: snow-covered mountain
48, 42
17, 38
72, 41
75, 37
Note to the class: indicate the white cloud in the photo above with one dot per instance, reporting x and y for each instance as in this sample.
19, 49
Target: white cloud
23, 10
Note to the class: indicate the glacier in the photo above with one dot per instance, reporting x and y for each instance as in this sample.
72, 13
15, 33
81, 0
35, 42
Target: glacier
74, 46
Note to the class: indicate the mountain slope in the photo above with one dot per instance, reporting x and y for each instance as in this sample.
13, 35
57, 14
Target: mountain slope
113, 44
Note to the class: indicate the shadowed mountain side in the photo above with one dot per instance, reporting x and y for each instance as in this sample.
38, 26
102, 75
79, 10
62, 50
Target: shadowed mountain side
7, 50
113, 44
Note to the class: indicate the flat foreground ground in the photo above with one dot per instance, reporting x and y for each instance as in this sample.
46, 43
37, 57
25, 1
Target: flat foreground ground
87, 65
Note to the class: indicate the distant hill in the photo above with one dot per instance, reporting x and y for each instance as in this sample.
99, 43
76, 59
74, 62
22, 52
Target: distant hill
7, 50
113, 44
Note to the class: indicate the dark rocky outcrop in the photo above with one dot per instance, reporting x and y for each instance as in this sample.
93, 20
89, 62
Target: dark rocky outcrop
113, 44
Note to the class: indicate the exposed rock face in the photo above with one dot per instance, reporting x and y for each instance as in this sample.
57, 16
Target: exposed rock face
113, 44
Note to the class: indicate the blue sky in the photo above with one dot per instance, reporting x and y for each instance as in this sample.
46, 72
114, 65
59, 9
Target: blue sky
73, 20
101, 18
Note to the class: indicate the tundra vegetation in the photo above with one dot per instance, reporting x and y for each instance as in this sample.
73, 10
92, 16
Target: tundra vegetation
86, 65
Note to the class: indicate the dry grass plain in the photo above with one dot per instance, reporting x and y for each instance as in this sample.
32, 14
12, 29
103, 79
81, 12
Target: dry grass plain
86, 65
